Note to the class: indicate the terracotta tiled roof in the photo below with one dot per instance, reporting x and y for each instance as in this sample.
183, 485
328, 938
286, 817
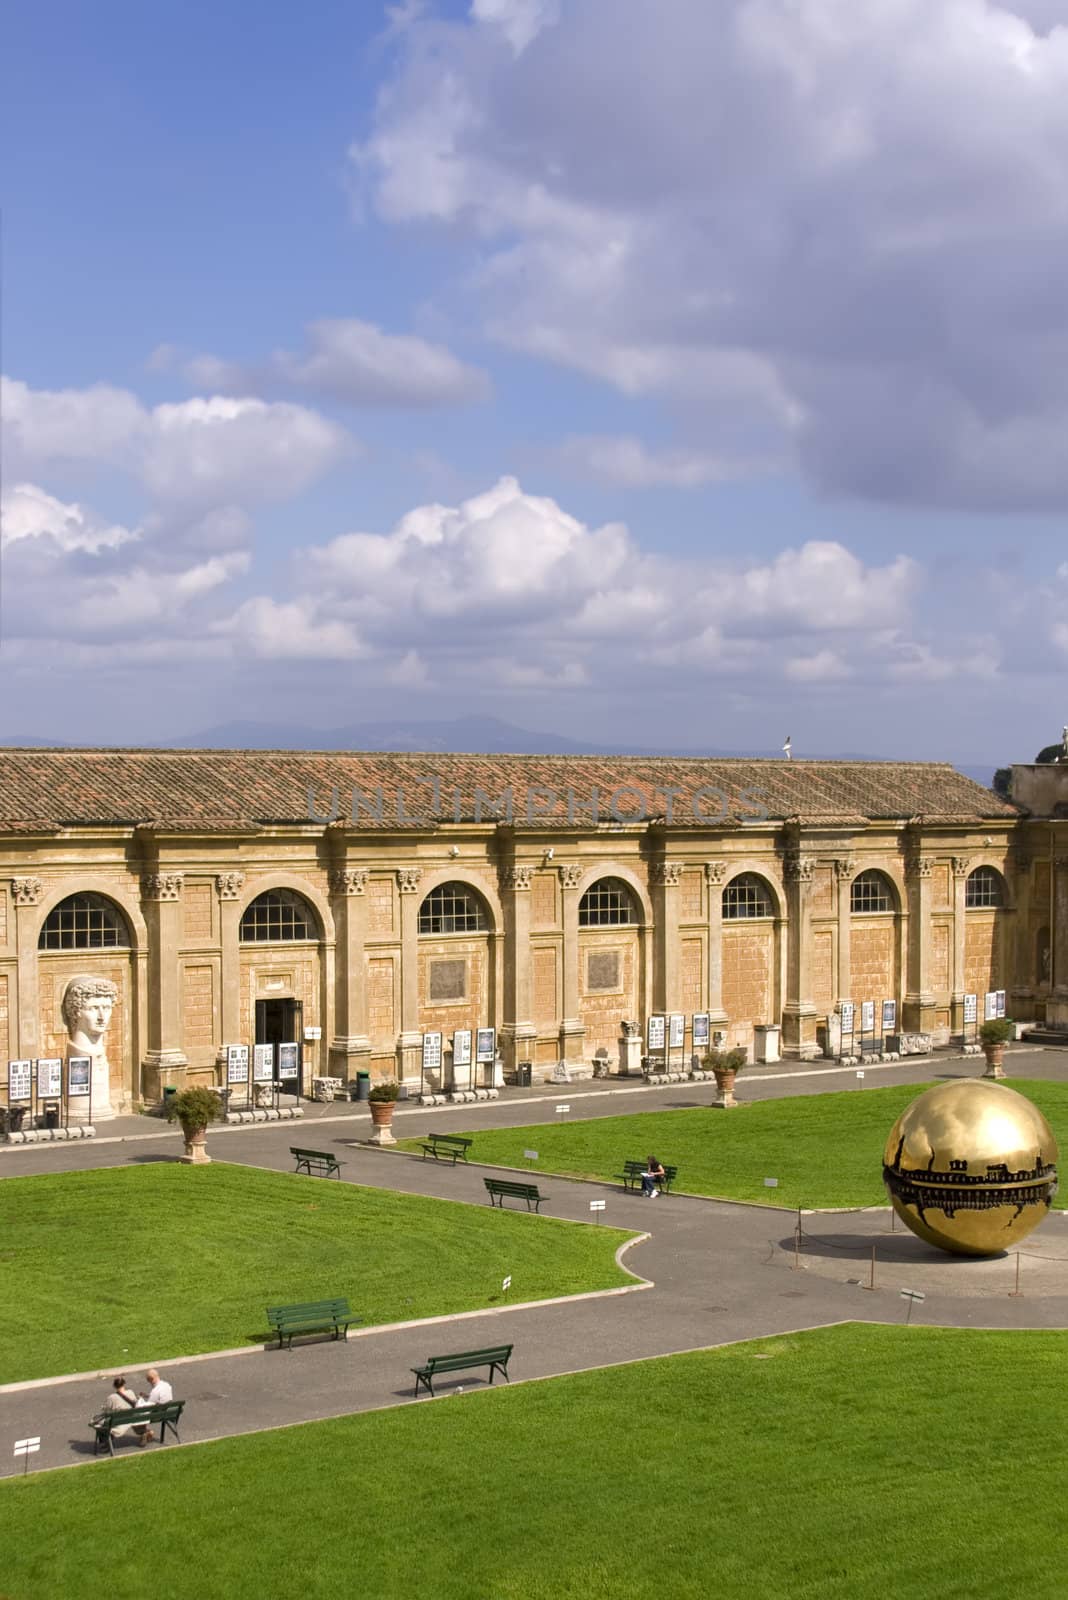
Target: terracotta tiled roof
220, 789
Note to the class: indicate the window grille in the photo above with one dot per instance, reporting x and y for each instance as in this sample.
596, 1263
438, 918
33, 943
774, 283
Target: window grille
746, 896
84, 922
277, 916
452, 908
983, 890
870, 892
606, 904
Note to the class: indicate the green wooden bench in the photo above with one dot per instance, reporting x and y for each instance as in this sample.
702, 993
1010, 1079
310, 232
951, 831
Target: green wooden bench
315, 1162
633, 1172
499, 1190
161, 1417
442, 1145
312, 1316
496, 1358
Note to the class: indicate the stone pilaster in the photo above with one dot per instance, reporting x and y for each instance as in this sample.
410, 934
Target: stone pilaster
572, 1029
228, 886
962, 866
666, 876
410, 1040
25, 897
1020, 949
715, 878
350, 1048
517, 1027
844, 872
918, 1009
161, 900
799, 1013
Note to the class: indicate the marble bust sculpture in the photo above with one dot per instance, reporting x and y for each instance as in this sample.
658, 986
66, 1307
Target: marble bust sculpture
87, 1007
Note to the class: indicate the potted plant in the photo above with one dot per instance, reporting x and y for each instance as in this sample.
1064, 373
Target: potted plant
993, 1036
725, 1066
194, 1108
383, 1100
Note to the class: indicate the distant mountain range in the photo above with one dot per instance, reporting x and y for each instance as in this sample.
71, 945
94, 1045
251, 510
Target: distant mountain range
467, 735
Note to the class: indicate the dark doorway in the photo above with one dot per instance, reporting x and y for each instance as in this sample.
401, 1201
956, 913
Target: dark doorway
281, 1022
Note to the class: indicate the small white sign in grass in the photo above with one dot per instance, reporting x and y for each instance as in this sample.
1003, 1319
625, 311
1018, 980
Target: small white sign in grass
561, 1109
771, 1183
27, 1448
506, 1284
530, 1155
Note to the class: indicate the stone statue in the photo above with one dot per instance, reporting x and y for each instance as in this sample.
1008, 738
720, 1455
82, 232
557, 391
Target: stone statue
87, 1007
630, 1030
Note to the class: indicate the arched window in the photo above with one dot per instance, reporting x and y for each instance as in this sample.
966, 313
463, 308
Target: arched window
746, 896
606, 904
276, 916
452, 908
984, 890
84, 922
870, 891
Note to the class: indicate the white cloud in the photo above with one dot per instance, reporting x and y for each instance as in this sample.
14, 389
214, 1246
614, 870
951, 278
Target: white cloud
197, 452
289, 630
28, 512
783, 217
822, 667
356, 363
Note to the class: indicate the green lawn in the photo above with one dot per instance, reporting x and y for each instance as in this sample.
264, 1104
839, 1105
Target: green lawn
145, 1263
846, 1464
825, 1150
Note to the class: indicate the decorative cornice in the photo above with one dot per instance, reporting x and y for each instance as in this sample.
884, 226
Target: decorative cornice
844, 868
962, 865
348, 880
516, 878
161, 886
797, 868
409, 879
715, 871
918, 866
26, 891
571, 874
228, 885
666, 874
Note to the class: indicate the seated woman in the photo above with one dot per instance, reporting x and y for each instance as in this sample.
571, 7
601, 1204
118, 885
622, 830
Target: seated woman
652, 1177
123, 1398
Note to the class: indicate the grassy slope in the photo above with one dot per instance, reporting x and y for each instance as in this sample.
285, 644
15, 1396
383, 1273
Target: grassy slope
136, 1264
843, 1464
825, 1150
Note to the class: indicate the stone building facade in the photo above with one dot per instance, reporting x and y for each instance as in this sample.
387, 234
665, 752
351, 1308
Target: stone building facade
248, 896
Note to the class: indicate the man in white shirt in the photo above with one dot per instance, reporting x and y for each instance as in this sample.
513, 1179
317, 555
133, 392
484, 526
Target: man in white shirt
161, 1393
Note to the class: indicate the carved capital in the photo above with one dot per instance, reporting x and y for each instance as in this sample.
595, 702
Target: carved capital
715, 871
161, 886
844, 868
918, 866
571, 874
516, 877
666, 874
409, 879
348, 880
228, 885
26, 891
962, 865
797, 868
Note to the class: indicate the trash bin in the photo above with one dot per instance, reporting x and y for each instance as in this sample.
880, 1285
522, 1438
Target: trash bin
363, 1086
51, 1116
524, 1074
15, 1115
168, 1095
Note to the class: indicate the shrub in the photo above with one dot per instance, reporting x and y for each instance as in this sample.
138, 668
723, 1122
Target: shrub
724, 1060
194, 1107
385, 1091
998, 1030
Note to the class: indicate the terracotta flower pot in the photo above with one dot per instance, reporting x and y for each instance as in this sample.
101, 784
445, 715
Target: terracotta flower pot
382, 1117
195, 1141
725, 1077
995, 1055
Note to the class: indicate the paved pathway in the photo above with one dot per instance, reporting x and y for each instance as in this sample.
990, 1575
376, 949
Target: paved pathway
718, 1272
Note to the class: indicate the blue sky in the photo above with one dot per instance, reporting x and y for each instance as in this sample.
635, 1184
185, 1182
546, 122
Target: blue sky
655, 373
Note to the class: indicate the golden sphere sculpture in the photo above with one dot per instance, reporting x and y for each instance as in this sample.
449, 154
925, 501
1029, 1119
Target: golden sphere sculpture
970, 1166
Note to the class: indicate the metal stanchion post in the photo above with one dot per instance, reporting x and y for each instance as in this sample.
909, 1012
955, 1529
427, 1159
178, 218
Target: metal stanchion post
871, 1285
1017, 1288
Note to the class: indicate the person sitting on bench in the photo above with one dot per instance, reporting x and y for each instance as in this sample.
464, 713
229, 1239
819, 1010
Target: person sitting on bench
652, 1177
122, 1398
